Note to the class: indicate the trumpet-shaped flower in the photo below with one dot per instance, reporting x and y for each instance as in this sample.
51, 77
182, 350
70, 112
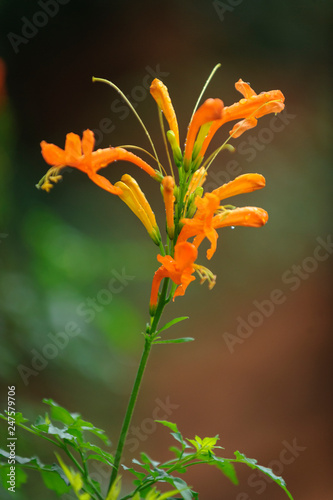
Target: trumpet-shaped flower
191, 215
210, 216
211, 110
161, 95
133, 196
248, 110
178, 268
79, 154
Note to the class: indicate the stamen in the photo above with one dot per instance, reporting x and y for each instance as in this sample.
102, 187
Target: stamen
205, 275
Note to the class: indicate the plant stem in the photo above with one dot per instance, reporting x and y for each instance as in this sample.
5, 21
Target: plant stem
130, 409
135, 391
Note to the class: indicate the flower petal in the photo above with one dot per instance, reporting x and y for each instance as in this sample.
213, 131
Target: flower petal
102, 157
244, 216
185, 254
53, 155
245, 183
103, 183
240, 127
244, 88
209, 111
88, 142
73, 147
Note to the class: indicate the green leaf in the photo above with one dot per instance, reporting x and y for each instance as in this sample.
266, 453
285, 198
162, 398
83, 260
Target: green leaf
74, 424
166, 423
170, 323
182, 486
138, 475
99, 454
53, 481
59, 413
252, 463
33, 461
206, 445
20, 419
174, 341
225, 466
20, 476
147, 460
54, 431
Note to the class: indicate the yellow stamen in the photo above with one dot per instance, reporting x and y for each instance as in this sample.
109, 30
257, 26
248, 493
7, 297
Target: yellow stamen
206, 275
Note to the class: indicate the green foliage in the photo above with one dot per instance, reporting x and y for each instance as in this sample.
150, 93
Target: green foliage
192, 452
69, 435
68, 432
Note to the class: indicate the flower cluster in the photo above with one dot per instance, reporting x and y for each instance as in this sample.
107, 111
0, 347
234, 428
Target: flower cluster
191, 214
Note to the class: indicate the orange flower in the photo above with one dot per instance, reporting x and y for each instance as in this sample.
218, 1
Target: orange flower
249, 109
79, 154
135, 199
211, 110
205, 222
179, 269
201, 225
161, 95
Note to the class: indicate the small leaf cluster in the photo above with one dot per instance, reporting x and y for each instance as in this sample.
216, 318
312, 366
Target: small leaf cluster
71, 434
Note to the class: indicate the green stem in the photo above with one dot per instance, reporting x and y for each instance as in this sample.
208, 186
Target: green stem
130, 409
135, 391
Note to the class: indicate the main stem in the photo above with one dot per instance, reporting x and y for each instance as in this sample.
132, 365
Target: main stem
135, 391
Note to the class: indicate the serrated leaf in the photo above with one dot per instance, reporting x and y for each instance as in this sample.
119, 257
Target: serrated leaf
89, 427
74, 424
252, 463
171, 323
59, 413
174, 341
138, 475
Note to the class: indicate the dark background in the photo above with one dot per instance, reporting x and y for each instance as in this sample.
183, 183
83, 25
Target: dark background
263, 395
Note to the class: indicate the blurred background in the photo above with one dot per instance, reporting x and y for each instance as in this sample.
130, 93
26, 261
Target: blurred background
260, 370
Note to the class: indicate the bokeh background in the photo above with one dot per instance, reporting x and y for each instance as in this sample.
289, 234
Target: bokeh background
268, 394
